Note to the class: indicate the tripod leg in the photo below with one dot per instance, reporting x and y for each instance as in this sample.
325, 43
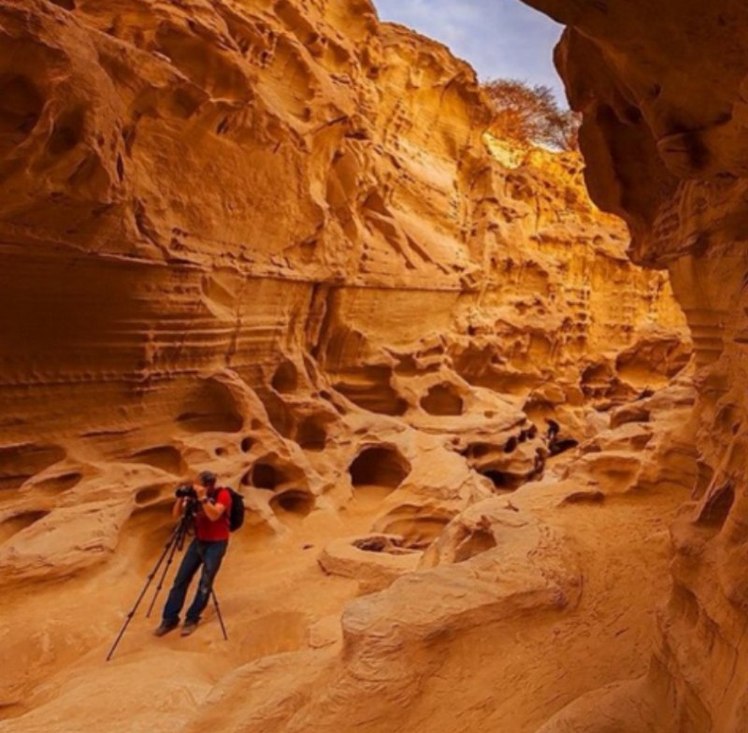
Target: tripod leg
175, 546
168, 546
218, 612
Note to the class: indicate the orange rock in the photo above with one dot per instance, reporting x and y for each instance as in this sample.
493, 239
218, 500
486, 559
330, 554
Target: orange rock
273, 241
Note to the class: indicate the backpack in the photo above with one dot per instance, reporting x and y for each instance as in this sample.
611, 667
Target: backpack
236, 514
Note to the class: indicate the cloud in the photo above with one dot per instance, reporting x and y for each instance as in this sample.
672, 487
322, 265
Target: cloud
447, 21
499, 38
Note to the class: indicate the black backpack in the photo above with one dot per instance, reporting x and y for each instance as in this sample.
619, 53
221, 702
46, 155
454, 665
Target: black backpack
236, 514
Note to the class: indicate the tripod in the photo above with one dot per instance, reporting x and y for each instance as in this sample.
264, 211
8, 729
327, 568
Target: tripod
174, 543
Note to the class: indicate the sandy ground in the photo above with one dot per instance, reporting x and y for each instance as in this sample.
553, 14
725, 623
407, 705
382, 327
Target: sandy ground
505, 678
513, 677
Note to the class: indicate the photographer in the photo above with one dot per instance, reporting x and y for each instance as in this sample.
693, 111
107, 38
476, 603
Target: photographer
211, 508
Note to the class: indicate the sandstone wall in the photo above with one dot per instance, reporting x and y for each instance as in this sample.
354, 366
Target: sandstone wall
201, 186
663, 90
271, 240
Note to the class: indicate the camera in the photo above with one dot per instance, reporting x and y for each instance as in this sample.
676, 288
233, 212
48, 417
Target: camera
186, 491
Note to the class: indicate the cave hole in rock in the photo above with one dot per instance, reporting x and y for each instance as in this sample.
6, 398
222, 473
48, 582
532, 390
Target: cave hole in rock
598, 381
600, 374
381, 543
311, 434
67, 131
371, 544
725, 418
247, 444
58, 484
286, 377
18, 463
474, 544
703, 479
370, 389
19, 522
480, 450
219, 451
531, 432
381, 466
417, 526
147, 495
265, 476
211, 408
651, 362
687, 604
443, 400
556, 446
511, 445
501, 479
409, 366
148, 527
717, 507
292, 501
584, 497
199, 61
165, 457
280, 415
20, 107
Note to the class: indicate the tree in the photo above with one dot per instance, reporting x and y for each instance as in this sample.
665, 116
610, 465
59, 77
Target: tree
530, 114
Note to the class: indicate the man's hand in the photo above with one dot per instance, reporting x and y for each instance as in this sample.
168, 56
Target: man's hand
211, 509
178, 508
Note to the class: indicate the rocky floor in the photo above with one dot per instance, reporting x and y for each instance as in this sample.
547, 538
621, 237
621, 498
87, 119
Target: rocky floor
274, 241
526, 600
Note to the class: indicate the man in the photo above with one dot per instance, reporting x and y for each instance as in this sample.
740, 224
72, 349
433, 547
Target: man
206, 549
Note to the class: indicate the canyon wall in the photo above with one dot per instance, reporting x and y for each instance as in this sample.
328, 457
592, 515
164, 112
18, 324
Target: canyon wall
206, 200
273, 240
663, 88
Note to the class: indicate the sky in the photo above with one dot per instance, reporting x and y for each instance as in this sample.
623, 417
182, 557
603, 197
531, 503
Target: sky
499, 38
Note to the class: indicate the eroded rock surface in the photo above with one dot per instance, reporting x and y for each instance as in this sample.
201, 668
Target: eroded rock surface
663, 90
273, 240
207, 204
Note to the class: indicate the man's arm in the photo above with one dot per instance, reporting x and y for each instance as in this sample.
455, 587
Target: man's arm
213, 511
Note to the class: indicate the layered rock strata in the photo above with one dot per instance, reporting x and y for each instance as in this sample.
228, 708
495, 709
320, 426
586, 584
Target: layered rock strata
206, 201
272, 241
663, 90
522, 601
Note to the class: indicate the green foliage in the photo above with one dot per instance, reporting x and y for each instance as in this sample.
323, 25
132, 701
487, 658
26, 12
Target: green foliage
530, 114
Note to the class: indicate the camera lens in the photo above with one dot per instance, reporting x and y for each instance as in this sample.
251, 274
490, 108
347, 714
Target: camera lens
186, 492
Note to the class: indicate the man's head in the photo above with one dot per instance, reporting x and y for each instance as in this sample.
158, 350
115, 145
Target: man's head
207, 479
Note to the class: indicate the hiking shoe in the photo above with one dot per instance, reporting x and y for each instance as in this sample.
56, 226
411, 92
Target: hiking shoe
189, 627
165, 628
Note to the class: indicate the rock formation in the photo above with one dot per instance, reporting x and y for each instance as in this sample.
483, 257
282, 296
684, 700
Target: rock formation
663, 91
273, 241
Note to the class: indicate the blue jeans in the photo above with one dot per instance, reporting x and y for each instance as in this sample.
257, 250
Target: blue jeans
207, 554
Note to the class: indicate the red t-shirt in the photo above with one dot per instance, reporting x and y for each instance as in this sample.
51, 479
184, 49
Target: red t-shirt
213, 531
